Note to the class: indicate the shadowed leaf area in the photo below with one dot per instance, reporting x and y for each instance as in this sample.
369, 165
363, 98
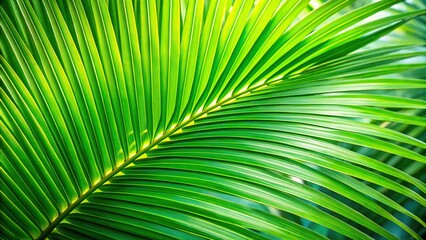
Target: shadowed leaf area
213, 119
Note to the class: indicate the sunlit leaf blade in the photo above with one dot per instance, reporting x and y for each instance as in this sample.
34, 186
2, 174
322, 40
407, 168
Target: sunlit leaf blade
215, 119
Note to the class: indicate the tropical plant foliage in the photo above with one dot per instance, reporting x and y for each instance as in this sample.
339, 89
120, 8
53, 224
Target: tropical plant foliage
212, 119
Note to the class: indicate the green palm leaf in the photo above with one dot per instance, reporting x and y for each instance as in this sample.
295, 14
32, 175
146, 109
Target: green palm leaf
212, 119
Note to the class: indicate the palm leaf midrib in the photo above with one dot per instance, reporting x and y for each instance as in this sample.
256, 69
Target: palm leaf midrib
144, 150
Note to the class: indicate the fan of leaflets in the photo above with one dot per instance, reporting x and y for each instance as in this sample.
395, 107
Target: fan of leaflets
210, 119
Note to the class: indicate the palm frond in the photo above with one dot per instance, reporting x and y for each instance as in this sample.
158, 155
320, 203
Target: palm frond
212, 119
